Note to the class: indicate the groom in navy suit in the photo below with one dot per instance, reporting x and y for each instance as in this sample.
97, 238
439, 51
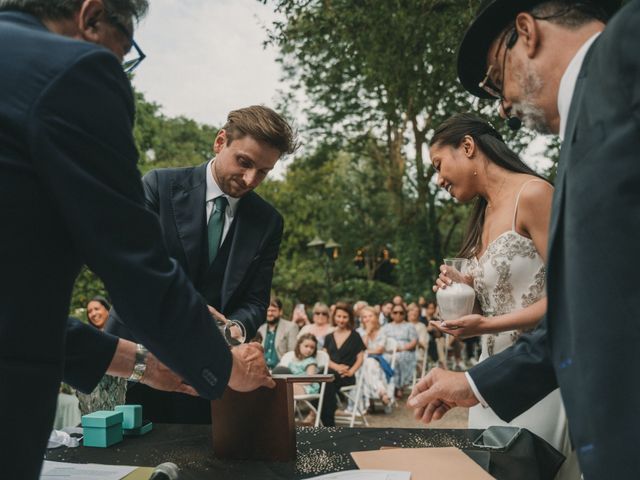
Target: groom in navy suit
235, 279
557, 67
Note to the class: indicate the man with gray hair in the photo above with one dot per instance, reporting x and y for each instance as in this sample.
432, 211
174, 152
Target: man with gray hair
70, 193
561, 68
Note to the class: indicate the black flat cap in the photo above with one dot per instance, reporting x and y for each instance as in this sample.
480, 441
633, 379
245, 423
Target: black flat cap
492, 18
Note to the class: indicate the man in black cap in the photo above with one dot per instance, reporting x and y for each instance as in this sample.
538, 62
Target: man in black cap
556, 67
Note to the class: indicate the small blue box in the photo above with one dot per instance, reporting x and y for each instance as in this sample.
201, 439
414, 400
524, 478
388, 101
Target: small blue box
102, 429
132, 416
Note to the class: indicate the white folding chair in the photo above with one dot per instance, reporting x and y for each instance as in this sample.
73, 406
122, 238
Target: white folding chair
354, 397
323, 364
421, 365
391, 346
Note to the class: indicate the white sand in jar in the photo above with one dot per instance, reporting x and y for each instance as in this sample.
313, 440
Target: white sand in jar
455, 301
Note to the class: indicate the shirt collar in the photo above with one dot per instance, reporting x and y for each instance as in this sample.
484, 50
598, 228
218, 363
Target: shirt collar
568, 83
214, 191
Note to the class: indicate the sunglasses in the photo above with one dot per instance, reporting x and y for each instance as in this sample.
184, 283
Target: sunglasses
399, 312
326, 314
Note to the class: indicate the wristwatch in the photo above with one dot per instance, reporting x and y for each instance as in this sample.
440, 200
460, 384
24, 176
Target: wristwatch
140, 364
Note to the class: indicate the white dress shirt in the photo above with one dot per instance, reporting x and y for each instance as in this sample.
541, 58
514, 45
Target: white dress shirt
568, 83
565, 94
213, 192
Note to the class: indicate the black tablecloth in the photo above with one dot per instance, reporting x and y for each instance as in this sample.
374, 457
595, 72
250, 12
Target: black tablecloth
320, 450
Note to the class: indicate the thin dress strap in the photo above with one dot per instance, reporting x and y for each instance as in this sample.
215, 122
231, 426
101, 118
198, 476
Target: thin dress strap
515, 209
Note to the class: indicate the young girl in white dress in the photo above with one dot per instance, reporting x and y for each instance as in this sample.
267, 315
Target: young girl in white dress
506, 243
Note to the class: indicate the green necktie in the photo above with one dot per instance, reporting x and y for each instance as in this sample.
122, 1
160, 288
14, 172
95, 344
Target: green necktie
216, 226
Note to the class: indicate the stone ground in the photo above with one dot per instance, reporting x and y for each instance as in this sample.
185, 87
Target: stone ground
402, 417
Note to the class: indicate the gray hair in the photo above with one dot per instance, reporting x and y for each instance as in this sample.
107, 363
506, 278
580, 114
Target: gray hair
125, 10
569, 14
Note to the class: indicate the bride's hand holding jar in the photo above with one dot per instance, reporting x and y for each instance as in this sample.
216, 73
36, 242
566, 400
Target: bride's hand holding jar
463, 327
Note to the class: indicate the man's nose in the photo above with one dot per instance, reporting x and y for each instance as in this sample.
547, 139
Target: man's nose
504, 108
251, 178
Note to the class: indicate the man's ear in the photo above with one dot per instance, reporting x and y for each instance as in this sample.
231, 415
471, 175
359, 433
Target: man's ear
220, 141
90, 15
528, 33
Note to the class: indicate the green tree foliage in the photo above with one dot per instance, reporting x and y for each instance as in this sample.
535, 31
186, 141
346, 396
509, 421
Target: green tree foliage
162, 142
384, 71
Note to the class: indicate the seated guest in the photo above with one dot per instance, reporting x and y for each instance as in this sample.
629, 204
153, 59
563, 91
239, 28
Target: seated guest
376, 370
437, 346
385, 312
407, 337
346, 354
302, 361
299, 316
413, 315
110, 391
98, 311
320, 326
279, 335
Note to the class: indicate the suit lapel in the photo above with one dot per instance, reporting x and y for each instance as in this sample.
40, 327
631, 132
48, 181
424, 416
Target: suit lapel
188, 201
249, 231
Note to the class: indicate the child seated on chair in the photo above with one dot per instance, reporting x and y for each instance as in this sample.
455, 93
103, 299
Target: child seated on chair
303, 362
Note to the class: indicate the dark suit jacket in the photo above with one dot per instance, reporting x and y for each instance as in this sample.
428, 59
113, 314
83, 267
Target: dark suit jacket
242, 289
70, 193
588, 344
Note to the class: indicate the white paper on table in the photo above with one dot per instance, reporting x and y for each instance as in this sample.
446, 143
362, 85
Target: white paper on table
365, 475
83, 471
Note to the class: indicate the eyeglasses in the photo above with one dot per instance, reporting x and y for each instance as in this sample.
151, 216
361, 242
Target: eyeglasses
487, 84
129, 65
399, 312
325, 314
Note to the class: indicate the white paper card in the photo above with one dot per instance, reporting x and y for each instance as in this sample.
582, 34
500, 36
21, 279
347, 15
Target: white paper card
83, 471
365, 475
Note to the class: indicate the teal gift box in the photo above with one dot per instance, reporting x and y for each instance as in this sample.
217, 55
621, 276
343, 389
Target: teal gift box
102, 428
132, 416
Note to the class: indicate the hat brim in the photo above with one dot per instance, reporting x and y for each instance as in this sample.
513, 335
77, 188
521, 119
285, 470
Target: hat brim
490, 22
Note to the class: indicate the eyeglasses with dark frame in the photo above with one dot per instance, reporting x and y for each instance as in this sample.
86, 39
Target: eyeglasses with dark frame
129, 65
511, 34
397, 312
487, 84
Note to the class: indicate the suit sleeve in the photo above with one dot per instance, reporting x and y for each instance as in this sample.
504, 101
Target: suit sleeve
252, 312
88, 353
83, 150
517, 378
150, 186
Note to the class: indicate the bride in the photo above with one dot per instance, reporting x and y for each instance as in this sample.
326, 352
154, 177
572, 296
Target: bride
506, 244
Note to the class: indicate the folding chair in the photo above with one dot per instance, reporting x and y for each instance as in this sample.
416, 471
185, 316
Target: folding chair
354, 392
354, 395
422, 362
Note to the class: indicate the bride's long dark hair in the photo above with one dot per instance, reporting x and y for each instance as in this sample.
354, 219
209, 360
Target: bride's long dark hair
451, 133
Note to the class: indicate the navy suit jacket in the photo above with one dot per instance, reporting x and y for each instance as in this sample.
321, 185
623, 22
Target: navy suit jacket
177, 195
242, 287
588, 342
70, 193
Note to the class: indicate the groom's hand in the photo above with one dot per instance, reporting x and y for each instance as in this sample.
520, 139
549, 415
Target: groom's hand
439, 392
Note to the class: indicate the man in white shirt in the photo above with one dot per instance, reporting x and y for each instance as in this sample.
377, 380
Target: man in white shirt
555, 66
